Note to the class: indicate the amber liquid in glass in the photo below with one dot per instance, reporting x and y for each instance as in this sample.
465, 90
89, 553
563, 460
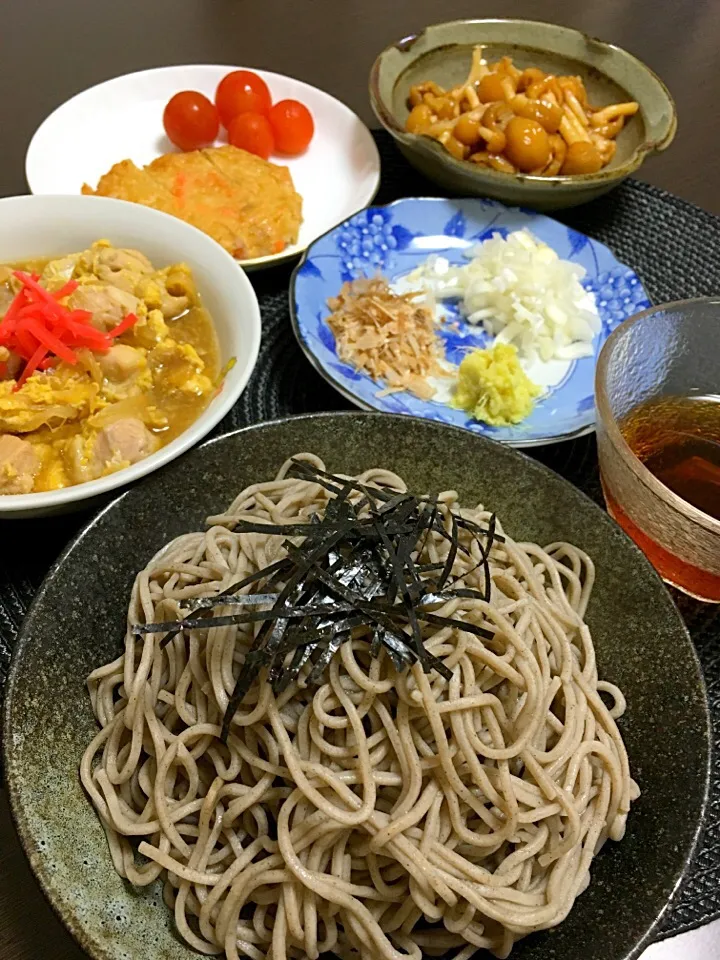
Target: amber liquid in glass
678, 440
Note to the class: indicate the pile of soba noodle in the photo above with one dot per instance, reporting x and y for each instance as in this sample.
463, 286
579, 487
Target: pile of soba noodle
381, 814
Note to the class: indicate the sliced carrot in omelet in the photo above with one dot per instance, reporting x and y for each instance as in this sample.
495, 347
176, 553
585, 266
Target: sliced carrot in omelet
248, 205
277, 209
204, 197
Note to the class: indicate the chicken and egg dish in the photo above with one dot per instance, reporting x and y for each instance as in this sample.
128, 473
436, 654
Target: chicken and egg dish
103, 360
246, 204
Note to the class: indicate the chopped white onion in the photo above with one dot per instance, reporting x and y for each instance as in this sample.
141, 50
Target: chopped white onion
522, 293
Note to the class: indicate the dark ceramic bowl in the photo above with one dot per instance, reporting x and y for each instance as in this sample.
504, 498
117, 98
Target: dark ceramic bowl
77, 622
442, 53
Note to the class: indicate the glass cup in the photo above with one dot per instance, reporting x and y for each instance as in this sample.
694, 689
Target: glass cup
671, 350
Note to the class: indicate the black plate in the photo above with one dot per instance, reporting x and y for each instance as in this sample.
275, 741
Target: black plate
77, 622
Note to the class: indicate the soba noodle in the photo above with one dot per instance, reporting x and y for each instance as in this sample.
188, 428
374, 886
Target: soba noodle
381, 814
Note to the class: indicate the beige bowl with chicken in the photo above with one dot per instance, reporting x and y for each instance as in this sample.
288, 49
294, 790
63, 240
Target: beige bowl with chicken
442, 54
72, 433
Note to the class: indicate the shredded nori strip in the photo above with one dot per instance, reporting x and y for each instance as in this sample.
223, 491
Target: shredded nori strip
350, 577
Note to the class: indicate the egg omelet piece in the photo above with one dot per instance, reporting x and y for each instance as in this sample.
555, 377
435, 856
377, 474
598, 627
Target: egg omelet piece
182, 368
151, 329
155, 293
47, 399
53, 473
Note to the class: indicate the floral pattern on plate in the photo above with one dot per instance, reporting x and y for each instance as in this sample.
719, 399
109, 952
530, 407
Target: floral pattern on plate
393, 240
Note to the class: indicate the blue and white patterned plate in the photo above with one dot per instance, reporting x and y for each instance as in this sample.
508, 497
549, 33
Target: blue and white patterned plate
392, 241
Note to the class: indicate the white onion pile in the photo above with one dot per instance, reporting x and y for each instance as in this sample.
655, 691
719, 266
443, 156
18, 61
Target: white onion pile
522, 293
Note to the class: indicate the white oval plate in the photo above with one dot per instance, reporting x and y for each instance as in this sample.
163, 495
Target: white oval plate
122, 118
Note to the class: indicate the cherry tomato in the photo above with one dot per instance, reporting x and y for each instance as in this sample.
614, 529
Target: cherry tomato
292, 125
252, 132
241, 92
190, 120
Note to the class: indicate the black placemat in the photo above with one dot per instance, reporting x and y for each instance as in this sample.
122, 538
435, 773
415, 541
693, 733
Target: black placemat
675, 249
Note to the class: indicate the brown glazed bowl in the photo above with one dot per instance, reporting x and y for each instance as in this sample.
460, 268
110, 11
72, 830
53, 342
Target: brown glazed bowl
78, 621
442, 53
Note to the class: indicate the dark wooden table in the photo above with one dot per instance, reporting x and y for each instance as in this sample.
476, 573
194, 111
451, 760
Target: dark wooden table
52, 50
